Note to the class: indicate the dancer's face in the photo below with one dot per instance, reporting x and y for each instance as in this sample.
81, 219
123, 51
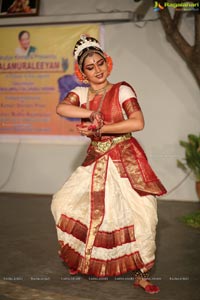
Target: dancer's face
95, 68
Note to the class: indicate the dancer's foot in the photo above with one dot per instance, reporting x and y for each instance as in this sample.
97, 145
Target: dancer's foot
142, 280
73, 272
146, 285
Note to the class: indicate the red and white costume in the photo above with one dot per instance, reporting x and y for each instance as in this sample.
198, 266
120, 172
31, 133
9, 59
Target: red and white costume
106, 212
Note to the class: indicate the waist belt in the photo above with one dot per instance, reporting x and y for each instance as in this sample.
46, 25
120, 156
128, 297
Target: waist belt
104, 146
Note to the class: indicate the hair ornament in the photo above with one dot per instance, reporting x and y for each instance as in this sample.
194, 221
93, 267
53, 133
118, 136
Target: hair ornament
83, 37
85, 42
78, 73
109, 62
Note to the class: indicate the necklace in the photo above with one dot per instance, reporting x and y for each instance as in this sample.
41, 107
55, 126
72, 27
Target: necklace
97, 92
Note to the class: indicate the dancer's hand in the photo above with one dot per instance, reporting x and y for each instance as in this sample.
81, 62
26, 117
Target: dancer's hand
86, 128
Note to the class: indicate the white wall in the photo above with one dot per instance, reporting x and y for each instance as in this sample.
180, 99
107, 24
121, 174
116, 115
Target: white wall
63, 7
167, 92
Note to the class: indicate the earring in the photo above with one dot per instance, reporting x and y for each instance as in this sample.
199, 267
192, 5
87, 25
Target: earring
85, 81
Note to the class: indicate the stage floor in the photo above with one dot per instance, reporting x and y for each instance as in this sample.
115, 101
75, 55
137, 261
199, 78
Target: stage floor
31, 269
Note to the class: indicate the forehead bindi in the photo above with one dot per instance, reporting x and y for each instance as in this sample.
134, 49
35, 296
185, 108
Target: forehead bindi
93, 59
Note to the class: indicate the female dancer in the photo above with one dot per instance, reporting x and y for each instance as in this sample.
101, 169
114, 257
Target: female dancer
106, 213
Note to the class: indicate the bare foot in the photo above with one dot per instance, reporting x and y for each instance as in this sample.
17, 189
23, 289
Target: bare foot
146, 285
142, 282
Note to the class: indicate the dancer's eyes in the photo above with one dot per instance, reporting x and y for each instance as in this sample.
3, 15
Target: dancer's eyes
89, 68
99, 64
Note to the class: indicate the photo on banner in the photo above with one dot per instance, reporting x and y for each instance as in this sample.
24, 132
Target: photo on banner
36, 72
19, 8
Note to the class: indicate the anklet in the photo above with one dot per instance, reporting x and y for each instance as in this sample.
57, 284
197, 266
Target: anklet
142, 275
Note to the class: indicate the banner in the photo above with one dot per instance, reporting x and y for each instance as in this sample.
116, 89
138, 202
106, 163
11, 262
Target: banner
36, 72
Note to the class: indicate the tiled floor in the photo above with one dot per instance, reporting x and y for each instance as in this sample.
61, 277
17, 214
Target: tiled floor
30, 268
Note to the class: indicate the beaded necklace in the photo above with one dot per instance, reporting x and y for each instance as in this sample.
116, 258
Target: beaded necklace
96, 92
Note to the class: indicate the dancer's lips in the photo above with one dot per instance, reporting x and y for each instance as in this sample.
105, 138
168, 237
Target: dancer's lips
99, 76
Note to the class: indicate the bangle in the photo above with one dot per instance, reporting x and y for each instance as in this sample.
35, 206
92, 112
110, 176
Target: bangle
94, 114
97, 133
